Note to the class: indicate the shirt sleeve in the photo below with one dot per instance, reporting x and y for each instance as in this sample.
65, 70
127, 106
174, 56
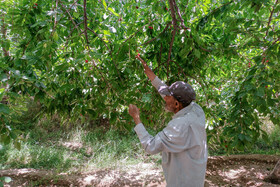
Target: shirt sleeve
157, 83
171, 139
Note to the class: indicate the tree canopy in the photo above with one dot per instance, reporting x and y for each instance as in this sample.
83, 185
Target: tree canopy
77, 58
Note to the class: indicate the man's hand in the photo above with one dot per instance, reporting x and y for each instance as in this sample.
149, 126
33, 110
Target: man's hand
134, 113
150, 74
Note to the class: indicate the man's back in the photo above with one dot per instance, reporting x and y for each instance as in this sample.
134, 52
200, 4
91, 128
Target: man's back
184, 163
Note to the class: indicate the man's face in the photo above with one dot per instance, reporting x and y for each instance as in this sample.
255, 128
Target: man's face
170, 103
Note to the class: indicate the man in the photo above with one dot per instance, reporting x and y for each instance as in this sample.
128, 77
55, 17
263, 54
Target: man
183, 141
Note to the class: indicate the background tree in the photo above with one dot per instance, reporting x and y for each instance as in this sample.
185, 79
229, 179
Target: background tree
76, 58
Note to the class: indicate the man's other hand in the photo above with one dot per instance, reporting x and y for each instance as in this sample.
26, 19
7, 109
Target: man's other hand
134, 113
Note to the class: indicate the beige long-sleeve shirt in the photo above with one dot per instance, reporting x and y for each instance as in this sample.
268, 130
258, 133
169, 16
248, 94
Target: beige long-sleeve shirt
183, 145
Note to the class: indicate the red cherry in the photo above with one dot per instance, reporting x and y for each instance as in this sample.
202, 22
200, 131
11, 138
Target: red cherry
137, 7
138, 54
86, 61
150, 27
226, 146
266, 86
36, 4
34, 7
267, 61
166, 8
137, 50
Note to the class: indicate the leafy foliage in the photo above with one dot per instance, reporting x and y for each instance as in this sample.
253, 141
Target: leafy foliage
77, 59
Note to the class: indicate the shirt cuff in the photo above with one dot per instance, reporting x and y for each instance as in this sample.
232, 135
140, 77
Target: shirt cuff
140, 130
157, 83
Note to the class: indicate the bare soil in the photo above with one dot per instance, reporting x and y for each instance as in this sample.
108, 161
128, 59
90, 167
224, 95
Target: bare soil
235, 170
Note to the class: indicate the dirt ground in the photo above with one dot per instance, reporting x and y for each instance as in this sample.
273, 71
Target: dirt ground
235, 170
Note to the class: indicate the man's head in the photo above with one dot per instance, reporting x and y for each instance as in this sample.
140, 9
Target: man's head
178, 95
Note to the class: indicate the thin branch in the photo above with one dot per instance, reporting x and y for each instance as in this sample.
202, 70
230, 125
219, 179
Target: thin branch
207, 50
180, 67
99, 38
66, 43
268, 24
180, 16
73, 4
109, 52
166, 27
270, 17
131, 36
76, 26
85, 20
55, 18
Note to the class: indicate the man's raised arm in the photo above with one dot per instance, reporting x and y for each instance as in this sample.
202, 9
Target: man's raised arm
156, 82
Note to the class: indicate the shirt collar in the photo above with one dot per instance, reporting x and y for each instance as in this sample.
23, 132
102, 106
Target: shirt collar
184, 111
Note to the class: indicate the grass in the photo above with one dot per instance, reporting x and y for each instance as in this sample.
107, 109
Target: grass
75, 151
48, 146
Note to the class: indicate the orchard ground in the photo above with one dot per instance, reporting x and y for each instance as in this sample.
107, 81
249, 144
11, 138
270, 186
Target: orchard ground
236, 170
57, 155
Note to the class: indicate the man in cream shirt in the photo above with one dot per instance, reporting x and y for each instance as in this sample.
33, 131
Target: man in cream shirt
182, 142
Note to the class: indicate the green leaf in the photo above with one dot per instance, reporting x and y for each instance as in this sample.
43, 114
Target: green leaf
197, 53
146, 98
4, 109
76, 14
112, 10
17, 145
3, 77
104, 4
260, 92
55, 36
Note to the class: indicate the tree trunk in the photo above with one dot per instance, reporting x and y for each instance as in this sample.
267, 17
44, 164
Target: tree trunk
274, 176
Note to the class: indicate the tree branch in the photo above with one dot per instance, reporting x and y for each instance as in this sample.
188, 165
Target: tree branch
85, 20
4, 33
174, 21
